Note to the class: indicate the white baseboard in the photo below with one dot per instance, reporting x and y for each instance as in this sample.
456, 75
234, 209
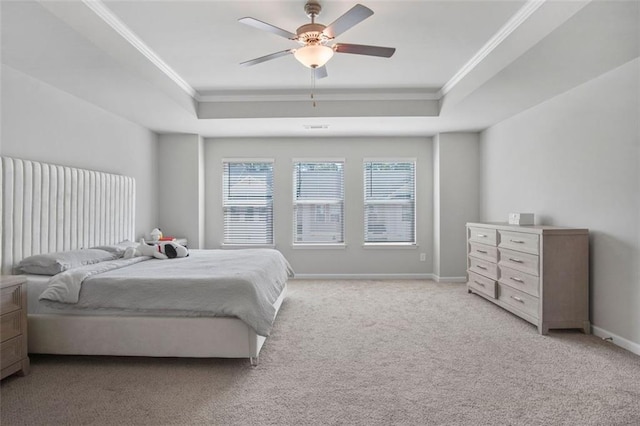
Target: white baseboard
450, 279
616, 340
365, 277
431, 277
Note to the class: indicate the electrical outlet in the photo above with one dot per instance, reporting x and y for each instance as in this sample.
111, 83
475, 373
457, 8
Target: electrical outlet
423, 257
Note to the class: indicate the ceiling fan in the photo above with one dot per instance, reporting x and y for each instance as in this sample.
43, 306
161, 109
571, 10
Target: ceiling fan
315, 38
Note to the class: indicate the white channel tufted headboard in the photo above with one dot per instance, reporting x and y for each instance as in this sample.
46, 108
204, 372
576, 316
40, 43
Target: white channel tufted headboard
47, 208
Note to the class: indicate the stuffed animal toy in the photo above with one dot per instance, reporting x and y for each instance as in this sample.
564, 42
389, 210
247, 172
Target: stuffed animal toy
168, 250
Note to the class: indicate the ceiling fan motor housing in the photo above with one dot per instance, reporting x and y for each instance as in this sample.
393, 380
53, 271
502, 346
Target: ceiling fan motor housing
312, 34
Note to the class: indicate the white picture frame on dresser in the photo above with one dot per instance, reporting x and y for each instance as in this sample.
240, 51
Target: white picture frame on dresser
539, 273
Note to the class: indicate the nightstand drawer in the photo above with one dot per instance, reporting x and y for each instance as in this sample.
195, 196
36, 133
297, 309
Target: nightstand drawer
10, 299
483, 251
523, 262
11, 352
11, 325
528, 243
519, 300
483, 235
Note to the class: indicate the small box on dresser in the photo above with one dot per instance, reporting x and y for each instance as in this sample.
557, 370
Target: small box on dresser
13, 329
539, 273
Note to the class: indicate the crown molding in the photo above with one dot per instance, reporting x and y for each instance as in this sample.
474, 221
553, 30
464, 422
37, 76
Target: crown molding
509, 27
100, 9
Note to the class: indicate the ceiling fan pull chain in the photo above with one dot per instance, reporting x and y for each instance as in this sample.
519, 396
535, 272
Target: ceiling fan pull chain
313, 85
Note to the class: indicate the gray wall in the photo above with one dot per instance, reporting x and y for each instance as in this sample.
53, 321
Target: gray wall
181, 183
354, 259
574, 160
456, 200
42, 123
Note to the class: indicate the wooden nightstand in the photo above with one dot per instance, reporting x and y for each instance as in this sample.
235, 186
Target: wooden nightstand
13, 329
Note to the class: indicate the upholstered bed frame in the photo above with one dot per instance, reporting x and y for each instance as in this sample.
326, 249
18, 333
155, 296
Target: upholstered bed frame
48, 208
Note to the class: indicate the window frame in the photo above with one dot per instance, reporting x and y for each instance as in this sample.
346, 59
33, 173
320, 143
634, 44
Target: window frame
224, 204
322, 244
390, 244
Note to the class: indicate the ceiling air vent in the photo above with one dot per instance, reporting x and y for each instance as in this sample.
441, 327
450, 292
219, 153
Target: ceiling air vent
315, 126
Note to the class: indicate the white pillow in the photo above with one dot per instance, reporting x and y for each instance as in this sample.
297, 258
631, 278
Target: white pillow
54, 263
117, 249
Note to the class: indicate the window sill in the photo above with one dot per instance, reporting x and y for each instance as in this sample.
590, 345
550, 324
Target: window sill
246, 246
393, 246
340, 246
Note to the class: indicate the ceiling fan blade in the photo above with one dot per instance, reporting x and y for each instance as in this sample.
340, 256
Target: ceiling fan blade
252, 22
320, 72
266, 57
353, 16
362, 49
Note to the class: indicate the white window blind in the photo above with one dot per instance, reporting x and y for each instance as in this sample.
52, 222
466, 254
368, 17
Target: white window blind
318, 202
248, 202
389, 202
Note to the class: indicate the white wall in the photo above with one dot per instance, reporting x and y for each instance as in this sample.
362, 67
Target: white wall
354, 259
574, 160
181, 183
42, 123
456, 201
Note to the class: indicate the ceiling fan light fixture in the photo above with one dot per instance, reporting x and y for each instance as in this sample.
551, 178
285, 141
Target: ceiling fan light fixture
313, 55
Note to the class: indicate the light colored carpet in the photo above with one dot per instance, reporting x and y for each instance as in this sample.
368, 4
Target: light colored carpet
355, 353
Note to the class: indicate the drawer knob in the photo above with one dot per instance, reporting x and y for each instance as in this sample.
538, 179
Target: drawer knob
479, 283
481, 267
517, 241
482, 251
513, 259
517, 299
482, 235
516, 279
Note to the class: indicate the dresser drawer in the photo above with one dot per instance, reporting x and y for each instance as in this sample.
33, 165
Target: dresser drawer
528, 243
10, 299
11, 325
483, 235
10, 351
519, 280
484, 252
522, 262
484, 268
482, 285
522, 301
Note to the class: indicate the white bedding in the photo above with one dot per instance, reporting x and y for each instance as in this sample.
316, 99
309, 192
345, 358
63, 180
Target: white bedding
236, 283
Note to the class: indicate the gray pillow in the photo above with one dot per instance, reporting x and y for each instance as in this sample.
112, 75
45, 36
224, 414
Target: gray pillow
54, 263
117, 249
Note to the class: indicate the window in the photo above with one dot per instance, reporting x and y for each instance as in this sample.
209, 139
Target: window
248, 202
318, 202
389, 202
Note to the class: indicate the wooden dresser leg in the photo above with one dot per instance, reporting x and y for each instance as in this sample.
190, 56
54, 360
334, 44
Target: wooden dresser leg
26, 366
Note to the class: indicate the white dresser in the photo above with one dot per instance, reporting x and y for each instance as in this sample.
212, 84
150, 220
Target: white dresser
540, 273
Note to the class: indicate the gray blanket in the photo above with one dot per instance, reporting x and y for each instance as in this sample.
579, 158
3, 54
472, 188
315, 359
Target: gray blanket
236, 283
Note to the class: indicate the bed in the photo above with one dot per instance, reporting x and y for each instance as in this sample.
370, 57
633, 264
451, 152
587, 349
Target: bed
48, 208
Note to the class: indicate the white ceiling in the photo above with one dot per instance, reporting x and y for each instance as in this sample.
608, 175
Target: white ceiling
204, 43
173, 66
